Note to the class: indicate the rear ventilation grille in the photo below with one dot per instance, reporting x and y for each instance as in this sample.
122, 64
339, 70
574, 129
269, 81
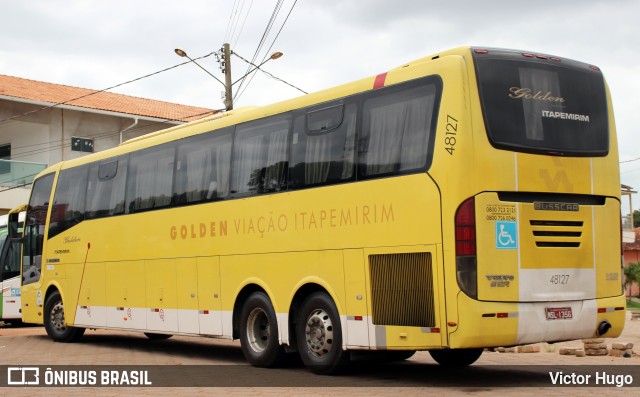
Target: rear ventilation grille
557, 234
402, 289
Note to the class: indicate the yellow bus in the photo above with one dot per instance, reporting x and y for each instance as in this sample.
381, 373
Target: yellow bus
465, 200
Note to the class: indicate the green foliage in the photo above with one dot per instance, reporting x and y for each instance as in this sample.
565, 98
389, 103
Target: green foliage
631, 275
632, 304
636, 218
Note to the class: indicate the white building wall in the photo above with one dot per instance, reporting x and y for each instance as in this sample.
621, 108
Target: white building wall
45, 137
29, 141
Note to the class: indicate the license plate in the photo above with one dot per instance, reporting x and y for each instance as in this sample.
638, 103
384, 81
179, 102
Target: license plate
559, 313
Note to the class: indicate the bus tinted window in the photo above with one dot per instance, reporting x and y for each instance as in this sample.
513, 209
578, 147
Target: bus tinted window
398, 126
150, 181
203, 168
106, 187
69, 200
323, 146
34, 224
260, 156
542, 107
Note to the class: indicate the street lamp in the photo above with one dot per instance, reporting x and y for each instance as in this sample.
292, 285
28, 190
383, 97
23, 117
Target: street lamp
275, 55
227, 71
183, 54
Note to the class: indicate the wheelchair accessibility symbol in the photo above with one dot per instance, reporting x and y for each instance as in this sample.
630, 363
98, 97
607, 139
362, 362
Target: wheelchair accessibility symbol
506, 235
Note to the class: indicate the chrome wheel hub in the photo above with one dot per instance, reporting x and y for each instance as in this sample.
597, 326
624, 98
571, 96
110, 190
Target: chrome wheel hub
319, 332
258, 330
57, 317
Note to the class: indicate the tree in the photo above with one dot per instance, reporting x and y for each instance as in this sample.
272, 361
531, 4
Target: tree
631, 275
636, 218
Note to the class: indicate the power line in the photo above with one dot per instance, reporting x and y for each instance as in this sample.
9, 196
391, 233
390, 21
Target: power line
236, 18
270, 23
61, 144
18, 179
272, 76
267, 52
230, 24
102, 90
281, 27
235, 42
628, 161
18, 186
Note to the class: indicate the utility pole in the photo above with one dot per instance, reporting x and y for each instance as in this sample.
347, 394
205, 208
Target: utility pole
226, 69
228, 95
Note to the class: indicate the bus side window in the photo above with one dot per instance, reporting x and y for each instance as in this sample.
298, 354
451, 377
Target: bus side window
398, 127
69, 200
11, 266
203, 168
106, 187
260, 154
150, 179
323, 146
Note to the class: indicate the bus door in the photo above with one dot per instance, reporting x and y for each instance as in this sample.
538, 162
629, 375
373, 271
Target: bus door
33, 242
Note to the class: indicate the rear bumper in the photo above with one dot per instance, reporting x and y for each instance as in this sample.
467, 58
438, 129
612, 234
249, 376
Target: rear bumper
491, 324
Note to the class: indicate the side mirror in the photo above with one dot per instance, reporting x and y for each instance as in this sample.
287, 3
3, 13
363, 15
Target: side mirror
13, 226
14, 221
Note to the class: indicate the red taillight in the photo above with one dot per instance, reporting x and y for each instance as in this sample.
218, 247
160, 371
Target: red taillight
555, 59
466, 229
526, 54
481, 51
597, 69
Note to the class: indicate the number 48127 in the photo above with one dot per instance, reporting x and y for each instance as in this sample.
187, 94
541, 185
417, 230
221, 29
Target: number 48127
450, 134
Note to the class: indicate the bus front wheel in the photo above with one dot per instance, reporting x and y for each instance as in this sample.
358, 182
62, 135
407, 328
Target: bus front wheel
319, 335
54, 322
259, 332
456, 357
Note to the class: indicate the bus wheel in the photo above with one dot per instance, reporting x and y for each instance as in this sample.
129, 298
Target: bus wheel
54, 321
319, 335
456, 357
153, 336
259, 332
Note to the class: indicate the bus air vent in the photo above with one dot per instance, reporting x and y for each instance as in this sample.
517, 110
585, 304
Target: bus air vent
556, 234
402, 289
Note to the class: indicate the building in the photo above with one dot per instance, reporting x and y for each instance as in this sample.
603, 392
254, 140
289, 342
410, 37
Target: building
44, 123
630, 236
631, 255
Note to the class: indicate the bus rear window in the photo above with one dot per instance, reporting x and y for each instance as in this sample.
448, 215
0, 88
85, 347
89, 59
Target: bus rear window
540, 106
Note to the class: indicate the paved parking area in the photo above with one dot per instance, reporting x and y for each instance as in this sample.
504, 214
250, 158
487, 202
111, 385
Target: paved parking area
223, 358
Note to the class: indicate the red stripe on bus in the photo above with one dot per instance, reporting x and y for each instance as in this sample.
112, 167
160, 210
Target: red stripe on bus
380, 80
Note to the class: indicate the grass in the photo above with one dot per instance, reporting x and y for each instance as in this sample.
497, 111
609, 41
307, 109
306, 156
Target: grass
632, 305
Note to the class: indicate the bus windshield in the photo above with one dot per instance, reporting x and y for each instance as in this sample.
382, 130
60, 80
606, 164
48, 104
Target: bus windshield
533, 105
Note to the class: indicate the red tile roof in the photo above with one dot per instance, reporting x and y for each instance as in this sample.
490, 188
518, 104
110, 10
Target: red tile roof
56, 94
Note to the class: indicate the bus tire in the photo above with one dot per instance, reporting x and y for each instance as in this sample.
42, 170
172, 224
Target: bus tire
456, 357
154, 336
259, 332
54, 322
319, 335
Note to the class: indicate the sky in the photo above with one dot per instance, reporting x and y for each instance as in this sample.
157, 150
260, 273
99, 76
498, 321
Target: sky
99, 44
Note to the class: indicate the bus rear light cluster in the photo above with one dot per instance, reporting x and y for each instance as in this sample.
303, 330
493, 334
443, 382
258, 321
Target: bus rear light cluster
466, 263
500, 315
540, 56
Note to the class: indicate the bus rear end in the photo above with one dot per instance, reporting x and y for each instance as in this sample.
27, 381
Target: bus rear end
538, 252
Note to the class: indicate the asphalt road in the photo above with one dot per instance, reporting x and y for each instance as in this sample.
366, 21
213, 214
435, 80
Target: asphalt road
216, 367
